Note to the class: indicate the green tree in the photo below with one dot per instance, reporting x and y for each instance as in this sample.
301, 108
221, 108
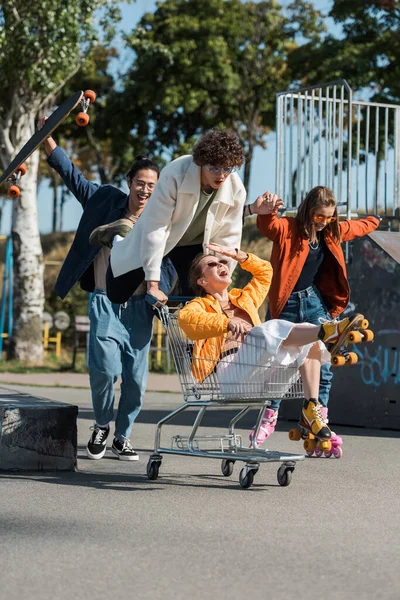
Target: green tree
367, 53
208, 63
41, 47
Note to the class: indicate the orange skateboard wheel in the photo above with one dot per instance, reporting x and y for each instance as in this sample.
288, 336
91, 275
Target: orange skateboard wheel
90, 95
338, 360
22, 169
364, 324
351, 358
354, 337
368, 335
82, 119
14, 191
295, 435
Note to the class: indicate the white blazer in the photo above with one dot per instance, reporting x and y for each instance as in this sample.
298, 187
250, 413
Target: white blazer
168, 214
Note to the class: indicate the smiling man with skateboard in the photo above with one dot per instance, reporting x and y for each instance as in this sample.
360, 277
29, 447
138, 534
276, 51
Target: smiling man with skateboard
119, 335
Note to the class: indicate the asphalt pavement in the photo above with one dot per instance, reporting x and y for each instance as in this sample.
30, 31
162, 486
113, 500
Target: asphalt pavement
106, 530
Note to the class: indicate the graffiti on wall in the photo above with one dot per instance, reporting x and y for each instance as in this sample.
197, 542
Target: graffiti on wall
378, 365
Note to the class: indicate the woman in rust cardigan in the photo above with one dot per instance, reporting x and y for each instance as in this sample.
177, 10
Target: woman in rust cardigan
310, 280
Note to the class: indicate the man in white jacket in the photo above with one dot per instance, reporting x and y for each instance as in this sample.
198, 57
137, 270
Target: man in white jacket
198, 200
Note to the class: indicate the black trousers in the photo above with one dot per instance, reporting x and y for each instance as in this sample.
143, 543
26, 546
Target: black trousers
174, 276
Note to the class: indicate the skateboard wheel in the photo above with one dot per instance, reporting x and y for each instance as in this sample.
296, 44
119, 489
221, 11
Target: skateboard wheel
90, 95
309, 446
351, 358
295, 435
338, 360
354, 337
82, 119
364, 324
14, 191
22, 169
368, 335
325, 446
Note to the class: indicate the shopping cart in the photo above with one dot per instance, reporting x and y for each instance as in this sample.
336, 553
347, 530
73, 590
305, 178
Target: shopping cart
238, 379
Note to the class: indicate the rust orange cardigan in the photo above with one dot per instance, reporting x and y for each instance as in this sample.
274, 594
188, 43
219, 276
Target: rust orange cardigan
289, 253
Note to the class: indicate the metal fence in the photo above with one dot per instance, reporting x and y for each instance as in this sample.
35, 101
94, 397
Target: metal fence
325, 137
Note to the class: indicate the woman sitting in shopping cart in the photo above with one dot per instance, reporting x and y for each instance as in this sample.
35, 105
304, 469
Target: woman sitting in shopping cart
227, 331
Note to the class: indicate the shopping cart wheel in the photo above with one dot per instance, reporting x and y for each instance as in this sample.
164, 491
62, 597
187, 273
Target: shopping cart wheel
227, 467
152, 469
284, 475
246, 478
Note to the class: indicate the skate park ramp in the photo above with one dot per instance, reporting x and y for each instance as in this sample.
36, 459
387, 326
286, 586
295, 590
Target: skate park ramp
368, 394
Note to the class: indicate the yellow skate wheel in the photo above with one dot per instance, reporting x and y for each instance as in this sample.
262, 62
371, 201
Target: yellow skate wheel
364, 324
367, 334
310, 445
325, 445
295, 435
354, 337
351, 358
337, 360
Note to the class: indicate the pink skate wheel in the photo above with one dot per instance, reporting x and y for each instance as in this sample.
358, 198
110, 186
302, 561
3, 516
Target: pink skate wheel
318, 452
328, 454
337, 452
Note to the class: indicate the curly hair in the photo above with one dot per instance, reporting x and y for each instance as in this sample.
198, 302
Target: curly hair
318, 197
219, 148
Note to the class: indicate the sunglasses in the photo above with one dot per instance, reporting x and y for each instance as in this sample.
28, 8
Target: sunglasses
224, 170
322, 219
215, 263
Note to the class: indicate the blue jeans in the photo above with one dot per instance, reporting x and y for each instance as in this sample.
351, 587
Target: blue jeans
119, 343
307, 306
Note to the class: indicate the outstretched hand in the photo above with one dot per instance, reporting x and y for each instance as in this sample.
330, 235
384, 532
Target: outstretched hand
267, 204
234, 253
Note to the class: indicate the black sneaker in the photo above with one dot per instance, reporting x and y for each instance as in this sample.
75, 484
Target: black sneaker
97, 445
124, 450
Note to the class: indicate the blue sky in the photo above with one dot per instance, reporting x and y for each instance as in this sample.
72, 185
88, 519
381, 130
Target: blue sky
263, 165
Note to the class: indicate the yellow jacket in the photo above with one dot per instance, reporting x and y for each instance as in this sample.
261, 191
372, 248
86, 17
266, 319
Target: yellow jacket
203, 320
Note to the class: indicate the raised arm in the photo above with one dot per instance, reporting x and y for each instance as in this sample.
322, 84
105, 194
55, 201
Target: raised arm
352, 229
77, 184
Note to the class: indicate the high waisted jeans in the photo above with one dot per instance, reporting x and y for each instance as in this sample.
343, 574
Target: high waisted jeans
119, 344
307, 306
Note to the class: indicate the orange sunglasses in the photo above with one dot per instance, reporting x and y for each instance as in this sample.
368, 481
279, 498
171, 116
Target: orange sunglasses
322, 219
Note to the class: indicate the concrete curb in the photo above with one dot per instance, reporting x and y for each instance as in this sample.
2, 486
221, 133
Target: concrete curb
36, 434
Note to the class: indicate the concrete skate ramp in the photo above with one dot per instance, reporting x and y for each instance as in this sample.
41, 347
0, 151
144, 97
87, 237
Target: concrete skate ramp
389, 241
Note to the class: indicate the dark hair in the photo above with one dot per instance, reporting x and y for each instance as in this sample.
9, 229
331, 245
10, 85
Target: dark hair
220, 148
195, 271
316, 198
142, 162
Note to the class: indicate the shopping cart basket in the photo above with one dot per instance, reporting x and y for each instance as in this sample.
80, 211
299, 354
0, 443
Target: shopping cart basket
238, 379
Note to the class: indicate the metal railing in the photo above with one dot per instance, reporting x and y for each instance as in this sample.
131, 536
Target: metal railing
325, 137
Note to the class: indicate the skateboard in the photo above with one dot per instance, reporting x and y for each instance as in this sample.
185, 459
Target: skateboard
16, 169
356, 331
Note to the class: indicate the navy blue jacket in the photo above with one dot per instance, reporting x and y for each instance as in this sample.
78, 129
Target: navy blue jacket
101, 204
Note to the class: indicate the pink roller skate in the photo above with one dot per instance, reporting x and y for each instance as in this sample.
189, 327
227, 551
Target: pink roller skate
267, 426
336, 440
